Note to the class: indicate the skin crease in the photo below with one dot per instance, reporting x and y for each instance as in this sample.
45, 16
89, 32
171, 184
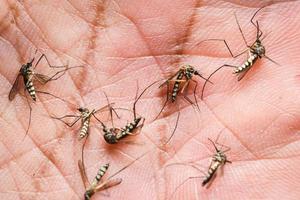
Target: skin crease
120, 42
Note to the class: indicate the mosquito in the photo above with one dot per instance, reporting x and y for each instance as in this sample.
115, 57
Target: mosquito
114, 135
85, 115
219, 159
98, 185
256, 51
183, 76
27, 72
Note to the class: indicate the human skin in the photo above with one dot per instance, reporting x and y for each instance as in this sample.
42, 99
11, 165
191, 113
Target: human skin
122, 42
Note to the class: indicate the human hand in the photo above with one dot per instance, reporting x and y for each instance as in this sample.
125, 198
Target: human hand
120, 42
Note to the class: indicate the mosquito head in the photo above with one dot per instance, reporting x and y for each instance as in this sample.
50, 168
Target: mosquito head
258, 48
137, 120
88, 194
110, 137
83, 110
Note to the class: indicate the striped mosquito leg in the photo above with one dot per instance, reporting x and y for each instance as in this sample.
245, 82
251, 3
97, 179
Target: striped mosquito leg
31, 90
84, 129
100, 174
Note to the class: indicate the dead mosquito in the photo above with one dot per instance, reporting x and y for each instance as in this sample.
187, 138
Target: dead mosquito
114, 135
219, 159
181, 79
255, 51
85, 115
98, 185
28, 74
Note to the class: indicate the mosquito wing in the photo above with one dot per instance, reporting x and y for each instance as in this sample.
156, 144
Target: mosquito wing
108, 184
83, 174
43, 79
13, 91
179, 71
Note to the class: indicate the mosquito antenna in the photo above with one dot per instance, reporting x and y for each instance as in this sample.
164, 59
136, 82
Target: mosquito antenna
33, 56
265, 36
237, 22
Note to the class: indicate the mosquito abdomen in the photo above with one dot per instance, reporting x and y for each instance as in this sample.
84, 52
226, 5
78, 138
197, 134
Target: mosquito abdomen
176, 86
31, 90
249, 62
84, 129
101, 172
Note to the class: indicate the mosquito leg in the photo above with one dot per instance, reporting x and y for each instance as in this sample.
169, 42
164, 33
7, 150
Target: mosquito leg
187, 98
241, 31
137, 99
98, 119
58, 74
259, 32
66, 123
216, 148
173, 132
189, 178
167, 99
232, 66
111, 110
42, 92
65, 116
51, 66
227, 46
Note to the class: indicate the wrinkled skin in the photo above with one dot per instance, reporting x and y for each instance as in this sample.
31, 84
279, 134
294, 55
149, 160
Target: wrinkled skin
120, 42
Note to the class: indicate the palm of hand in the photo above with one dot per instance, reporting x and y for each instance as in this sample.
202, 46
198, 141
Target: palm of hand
259, 116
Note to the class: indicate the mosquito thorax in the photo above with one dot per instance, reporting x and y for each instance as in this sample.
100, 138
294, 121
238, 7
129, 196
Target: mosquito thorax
258, 48
25, 68
189, 71
221, 157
